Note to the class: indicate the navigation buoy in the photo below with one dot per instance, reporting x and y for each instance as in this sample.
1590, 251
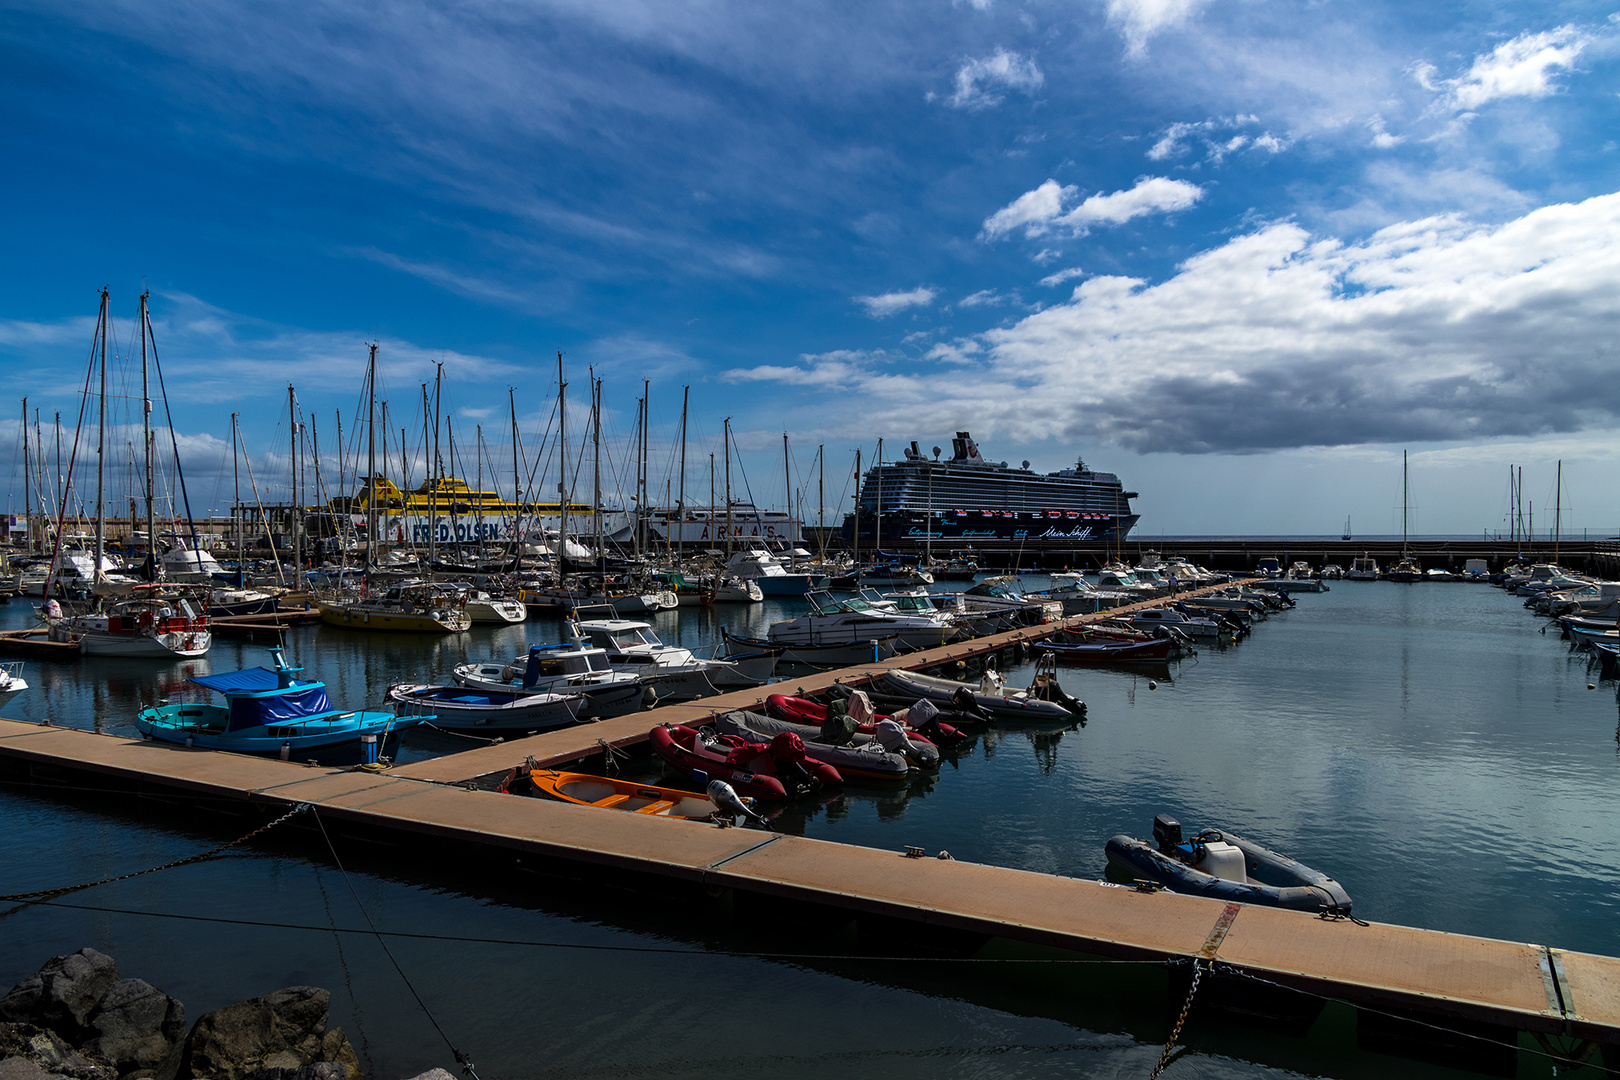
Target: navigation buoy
1152, 685
1591, 686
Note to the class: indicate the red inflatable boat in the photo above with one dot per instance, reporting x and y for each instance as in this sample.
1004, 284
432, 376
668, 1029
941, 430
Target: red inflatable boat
775, 770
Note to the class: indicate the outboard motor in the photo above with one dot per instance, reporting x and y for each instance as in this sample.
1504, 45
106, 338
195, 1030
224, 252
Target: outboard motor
1166, 832
964, 701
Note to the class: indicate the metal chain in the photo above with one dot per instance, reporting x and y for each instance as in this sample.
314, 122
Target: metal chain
1175, 1032
27, 898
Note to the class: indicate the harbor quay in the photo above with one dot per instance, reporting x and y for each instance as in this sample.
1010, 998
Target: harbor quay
1463, 1000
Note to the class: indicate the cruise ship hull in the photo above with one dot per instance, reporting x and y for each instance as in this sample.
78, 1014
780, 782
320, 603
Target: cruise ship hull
974, 528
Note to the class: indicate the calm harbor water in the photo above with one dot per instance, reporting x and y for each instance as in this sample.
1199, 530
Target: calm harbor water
1425, 744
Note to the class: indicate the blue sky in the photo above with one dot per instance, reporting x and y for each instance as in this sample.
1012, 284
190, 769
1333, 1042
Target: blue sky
1241, 253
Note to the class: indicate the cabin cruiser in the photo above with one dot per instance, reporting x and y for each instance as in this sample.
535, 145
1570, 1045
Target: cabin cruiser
567, 667
837, 622
191, 565
673, 672
1079, 596
1362, 569
766, 571
1152, 618
1122, 580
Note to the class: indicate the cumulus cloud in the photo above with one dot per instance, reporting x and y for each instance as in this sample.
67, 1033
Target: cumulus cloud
1041, 211
1436, 329
1523, 67
886, 304
1139, 20
1051, 280
1179, 139
978, 82
827, 370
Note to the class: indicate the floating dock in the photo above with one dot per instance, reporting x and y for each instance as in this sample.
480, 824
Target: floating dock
1433, 977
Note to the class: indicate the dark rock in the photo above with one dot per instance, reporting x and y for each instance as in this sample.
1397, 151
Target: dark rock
433, 1074
19, 1068
285, 1030
136, 1026
321, 1070
62, 994
47, 1051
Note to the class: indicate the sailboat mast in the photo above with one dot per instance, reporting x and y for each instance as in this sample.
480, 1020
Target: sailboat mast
371, 463
562, 467
787, 483
596, 471
517, 479
292, 479
236, 506
1558, 510
641, 502
428, 447
856, 553
28, 494
146, 448
1405, 503
101, 445
727, 431
680, 515
877, 524
821, 501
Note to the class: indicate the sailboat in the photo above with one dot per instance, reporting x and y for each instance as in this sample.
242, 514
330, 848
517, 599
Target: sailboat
159, 620
1347, 533
1407, 568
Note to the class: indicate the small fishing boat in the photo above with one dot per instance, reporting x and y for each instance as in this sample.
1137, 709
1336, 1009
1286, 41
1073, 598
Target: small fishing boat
1111, 652
833, 656
269, 711
1222, 866
773, 771
586, 789
1044, 700
461, 708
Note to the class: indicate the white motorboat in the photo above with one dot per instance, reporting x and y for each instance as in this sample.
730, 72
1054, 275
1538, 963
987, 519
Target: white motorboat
1362, 569
190, 565
567, 667
672, 671
462, 708
1192, 627
854, 620
766, 571
481, 607
11, 681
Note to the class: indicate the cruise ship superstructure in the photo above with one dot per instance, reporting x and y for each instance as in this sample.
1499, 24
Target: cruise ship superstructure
968, 500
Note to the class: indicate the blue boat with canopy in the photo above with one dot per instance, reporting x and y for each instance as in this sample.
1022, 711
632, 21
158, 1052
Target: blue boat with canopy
270, 711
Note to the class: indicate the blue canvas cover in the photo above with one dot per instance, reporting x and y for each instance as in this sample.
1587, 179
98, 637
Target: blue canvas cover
296, 704
252, 681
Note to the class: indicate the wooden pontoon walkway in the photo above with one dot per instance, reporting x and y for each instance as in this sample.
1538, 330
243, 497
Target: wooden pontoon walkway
1523, 987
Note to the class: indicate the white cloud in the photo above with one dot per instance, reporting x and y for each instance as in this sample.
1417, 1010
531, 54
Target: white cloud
1381, 138
1434, 329
976, 80
956, 352
1523, 67
1178, 139
984, 298
1051, 280
1139, 20
886, 304
828, 370
1041, 211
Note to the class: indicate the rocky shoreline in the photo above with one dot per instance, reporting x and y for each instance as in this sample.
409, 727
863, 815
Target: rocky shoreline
76, 1019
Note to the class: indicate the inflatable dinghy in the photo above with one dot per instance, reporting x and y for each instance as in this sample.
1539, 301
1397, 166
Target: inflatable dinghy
1220, 865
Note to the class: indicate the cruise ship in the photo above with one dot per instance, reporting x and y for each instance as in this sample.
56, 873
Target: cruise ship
970, 500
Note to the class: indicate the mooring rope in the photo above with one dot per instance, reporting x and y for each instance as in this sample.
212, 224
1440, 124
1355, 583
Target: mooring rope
27, 899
